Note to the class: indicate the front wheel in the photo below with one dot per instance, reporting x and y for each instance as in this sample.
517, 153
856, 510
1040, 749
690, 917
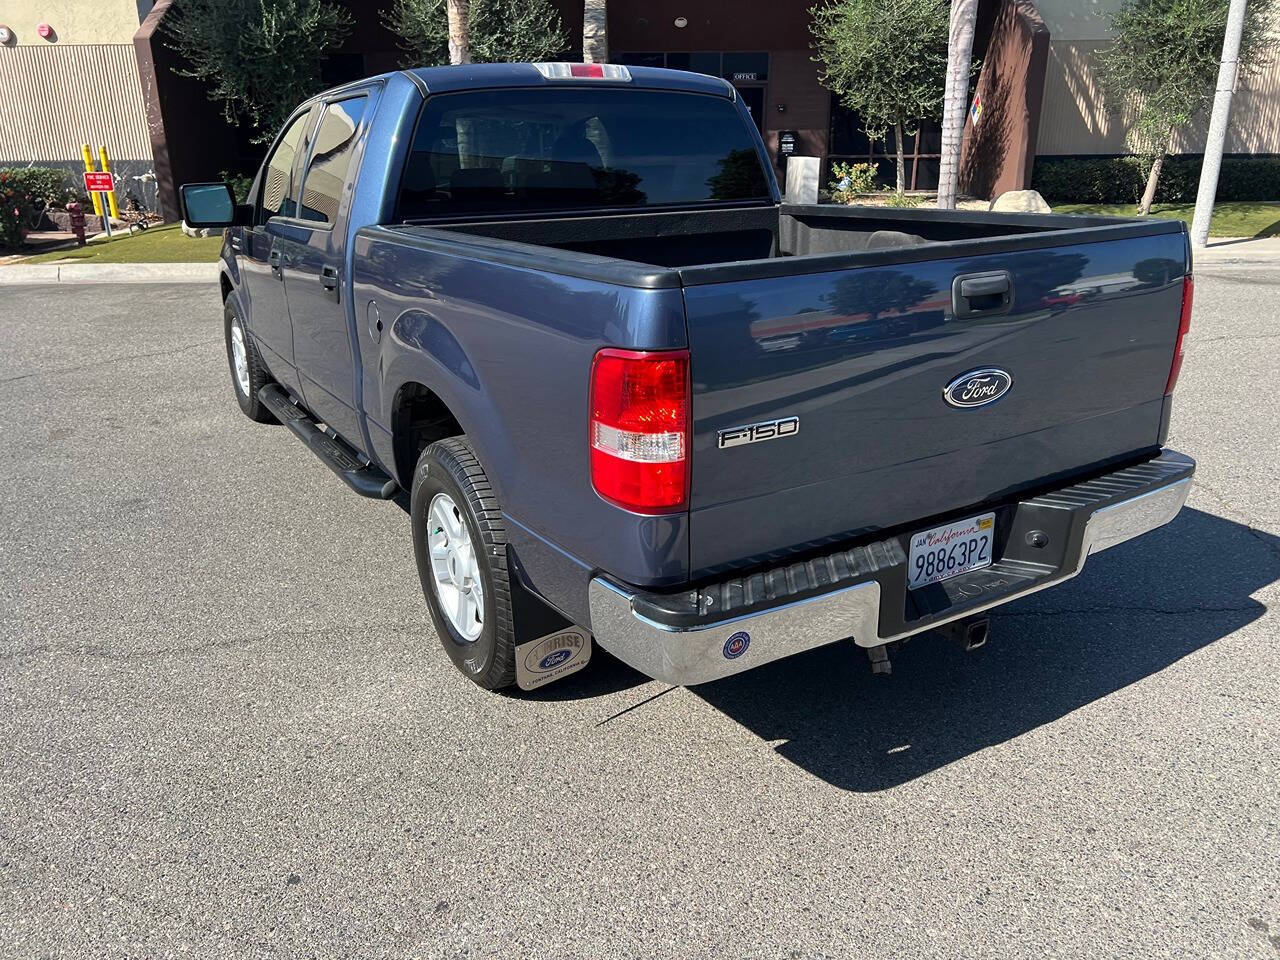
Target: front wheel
460, 544
248, 372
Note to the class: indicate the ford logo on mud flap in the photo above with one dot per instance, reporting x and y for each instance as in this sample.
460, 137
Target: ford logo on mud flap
553, 660
977, 388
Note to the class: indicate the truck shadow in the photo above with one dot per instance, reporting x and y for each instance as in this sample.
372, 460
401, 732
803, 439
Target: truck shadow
1134, 611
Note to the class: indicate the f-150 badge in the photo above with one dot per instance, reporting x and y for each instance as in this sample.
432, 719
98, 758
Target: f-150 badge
756, 432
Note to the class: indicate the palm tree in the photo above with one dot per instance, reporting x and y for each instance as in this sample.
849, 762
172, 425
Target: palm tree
956, 99
595, 31
459, 46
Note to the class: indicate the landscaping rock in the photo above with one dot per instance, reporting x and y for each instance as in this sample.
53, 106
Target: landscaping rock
196, 232
1020, 201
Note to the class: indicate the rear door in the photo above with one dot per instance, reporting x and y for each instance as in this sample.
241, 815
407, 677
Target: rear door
315, 271
861, 359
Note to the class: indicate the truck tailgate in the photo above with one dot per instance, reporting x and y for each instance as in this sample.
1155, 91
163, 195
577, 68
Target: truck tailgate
862, 356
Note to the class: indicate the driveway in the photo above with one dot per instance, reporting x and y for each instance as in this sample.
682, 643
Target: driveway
226, 727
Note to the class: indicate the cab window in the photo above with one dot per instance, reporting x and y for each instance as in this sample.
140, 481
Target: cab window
332, 154
277, 195
517, 151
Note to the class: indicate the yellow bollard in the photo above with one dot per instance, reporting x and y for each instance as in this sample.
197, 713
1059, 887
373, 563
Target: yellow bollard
106, 168
89, 168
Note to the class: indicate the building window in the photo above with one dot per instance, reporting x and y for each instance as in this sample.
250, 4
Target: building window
850, 144
708, 63
748, 67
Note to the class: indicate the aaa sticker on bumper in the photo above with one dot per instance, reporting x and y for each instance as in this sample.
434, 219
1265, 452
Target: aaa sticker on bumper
551, 657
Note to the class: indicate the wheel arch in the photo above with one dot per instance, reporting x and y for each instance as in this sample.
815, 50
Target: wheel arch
419, 417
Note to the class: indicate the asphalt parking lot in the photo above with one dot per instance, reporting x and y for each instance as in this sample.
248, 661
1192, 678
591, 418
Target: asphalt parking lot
226, 727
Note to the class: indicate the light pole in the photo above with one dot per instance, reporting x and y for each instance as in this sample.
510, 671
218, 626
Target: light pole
1227, 70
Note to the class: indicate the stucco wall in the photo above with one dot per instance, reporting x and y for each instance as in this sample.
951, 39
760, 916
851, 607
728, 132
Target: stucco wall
73, 21
1074, 118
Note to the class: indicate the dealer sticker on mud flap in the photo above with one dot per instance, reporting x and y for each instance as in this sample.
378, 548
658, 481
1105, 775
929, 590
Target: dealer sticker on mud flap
551, 657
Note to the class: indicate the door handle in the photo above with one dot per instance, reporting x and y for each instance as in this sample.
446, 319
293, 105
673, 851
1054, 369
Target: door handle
274, 260
982, 293
329, 280
985, 286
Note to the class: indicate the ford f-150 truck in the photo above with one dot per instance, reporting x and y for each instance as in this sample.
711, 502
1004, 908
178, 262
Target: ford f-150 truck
634, 398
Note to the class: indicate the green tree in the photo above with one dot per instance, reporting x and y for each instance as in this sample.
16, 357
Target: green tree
260, 58
1162, 68
500, 31
886, 60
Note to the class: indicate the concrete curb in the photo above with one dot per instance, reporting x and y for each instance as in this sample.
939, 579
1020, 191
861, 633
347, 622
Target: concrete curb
109, 273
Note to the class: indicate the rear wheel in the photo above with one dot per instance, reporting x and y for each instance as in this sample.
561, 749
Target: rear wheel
248, 372
460, 543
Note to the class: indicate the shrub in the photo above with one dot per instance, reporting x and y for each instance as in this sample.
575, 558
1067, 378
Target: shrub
1121, 179
25, 193
894, 199
852, 179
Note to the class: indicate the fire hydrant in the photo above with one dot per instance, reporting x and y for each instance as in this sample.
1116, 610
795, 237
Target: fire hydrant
77, 222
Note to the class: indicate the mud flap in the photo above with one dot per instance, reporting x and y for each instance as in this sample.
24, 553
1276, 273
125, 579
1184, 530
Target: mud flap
552, 657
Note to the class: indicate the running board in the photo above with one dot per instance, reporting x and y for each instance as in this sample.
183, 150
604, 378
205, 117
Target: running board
364, 478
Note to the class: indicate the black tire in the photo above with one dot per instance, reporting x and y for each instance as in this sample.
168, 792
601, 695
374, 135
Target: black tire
259, 377
450, 467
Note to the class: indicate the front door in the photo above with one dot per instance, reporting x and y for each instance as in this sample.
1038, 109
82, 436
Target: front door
315, 269
262, 263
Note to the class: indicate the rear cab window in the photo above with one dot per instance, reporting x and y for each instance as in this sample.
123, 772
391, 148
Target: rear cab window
330, 166
513, 151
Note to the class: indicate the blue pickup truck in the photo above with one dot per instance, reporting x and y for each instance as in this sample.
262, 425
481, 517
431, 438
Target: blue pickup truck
635, 399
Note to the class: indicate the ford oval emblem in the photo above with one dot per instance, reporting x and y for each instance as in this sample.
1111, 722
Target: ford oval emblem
977, 387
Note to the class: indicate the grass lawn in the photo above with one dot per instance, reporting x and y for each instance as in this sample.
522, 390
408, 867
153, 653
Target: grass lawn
156, 245
1234, 219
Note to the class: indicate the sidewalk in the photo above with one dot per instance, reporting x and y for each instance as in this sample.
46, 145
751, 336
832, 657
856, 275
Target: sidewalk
1239, 251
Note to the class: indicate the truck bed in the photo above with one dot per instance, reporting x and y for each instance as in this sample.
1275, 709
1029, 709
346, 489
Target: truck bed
846, 318
679, 239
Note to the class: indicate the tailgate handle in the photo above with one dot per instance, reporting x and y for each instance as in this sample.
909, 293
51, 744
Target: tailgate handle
984, 293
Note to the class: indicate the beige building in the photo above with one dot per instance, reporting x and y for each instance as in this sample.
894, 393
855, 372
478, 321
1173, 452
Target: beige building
1074, 118
69, 76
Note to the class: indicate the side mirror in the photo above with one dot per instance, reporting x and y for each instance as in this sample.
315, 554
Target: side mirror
213, 205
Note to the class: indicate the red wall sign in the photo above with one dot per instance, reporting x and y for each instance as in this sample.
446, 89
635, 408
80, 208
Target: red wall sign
99, 182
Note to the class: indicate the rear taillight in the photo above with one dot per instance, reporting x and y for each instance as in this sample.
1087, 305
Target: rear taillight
1184, 324
640, 428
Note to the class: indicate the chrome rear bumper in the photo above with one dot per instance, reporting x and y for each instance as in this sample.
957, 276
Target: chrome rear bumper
702, 634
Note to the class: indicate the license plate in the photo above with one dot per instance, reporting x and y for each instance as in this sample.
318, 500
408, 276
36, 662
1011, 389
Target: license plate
950, 550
